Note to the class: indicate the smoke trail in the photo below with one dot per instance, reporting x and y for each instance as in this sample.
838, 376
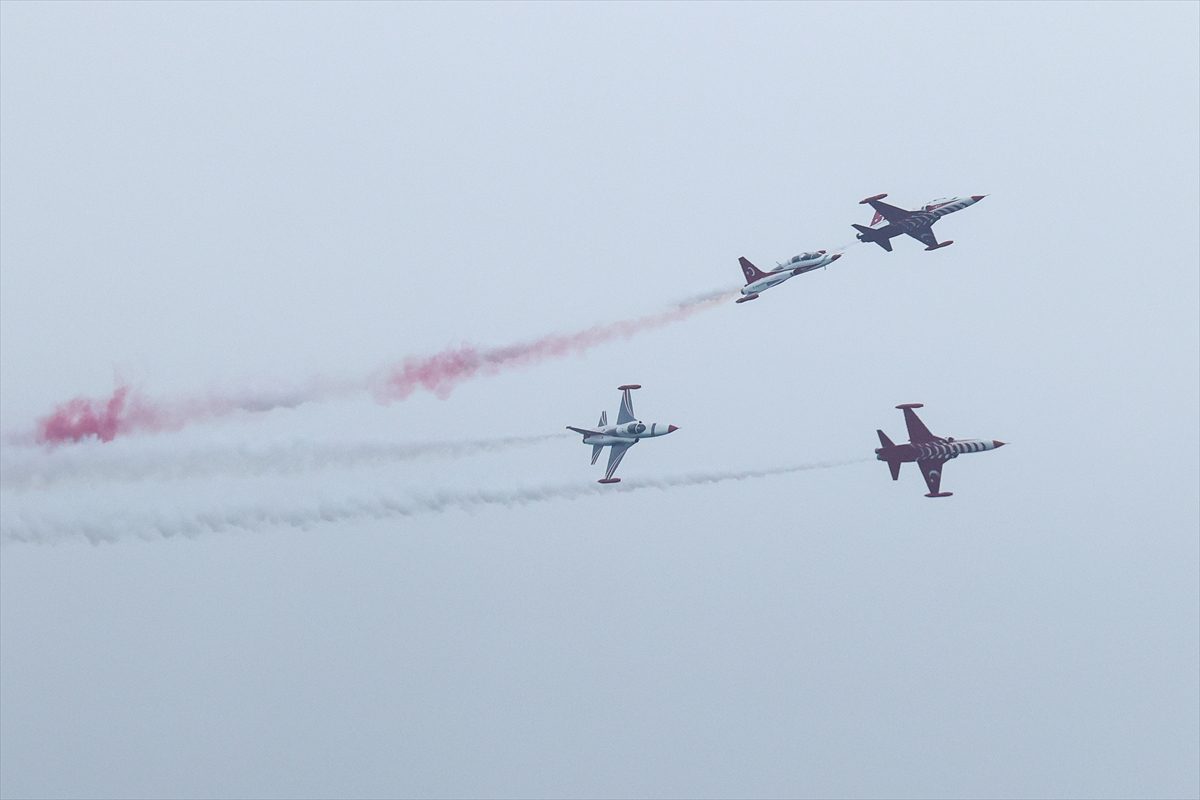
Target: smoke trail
441, 372
38, 469
126, 411
42, 530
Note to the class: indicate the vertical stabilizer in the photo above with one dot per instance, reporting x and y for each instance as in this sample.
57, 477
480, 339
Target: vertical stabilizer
751, 272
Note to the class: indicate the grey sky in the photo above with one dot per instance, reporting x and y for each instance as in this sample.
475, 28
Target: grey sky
215, 197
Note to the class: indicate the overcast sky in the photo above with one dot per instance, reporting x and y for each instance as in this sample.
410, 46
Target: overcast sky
241, 199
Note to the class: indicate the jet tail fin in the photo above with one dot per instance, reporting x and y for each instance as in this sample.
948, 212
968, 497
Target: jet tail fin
751, 272
884, 440
866, 234
894, 466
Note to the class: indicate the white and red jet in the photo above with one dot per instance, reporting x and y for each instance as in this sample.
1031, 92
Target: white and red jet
930, 452
628, 431
758, 281
917, 224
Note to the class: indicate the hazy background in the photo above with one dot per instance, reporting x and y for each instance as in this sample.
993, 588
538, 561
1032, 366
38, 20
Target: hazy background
207, 197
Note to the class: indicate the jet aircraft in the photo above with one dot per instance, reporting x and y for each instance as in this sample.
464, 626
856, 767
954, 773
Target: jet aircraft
758, 281
628, 431
917, 224
929, 451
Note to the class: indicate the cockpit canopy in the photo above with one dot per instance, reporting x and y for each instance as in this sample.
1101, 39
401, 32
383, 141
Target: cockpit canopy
636, 427
805, 257
938, 203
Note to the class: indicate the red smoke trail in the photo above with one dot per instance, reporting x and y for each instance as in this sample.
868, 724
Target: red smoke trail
126, 412
81, 417
443, 371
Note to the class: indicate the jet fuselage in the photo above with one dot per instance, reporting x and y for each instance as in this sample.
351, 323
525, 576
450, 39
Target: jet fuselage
805, 262
628, 432
944, 450
797, 266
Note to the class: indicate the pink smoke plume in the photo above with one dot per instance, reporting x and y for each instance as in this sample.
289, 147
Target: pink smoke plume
126, 411
79, 418
441, 372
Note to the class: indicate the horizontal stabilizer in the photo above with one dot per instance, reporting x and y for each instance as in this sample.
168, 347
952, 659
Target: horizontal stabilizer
884, 440
866, 234
596, 450
584, 431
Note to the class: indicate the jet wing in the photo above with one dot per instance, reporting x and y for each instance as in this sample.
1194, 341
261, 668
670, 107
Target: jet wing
917, 432
626, 412
615, 454
889, 212
931, 469
925, 236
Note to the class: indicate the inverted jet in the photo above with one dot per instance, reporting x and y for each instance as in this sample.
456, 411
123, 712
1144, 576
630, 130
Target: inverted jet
917, 224
628, 431
758, 281
929, 451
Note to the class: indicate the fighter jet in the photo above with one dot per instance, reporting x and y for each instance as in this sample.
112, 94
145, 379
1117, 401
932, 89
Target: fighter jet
917, 224
628, 431
929, 451
757, 280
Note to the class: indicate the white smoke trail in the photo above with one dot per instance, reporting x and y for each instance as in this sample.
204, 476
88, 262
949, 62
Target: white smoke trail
22, 468
43, 530
841, 248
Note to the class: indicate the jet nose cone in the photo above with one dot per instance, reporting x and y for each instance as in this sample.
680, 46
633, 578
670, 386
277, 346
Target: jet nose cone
978, 197
672, 428
998, 443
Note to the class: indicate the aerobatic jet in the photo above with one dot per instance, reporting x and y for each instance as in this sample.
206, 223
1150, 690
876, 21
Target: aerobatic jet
929, 451
628, 431
758, 281
917, 224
